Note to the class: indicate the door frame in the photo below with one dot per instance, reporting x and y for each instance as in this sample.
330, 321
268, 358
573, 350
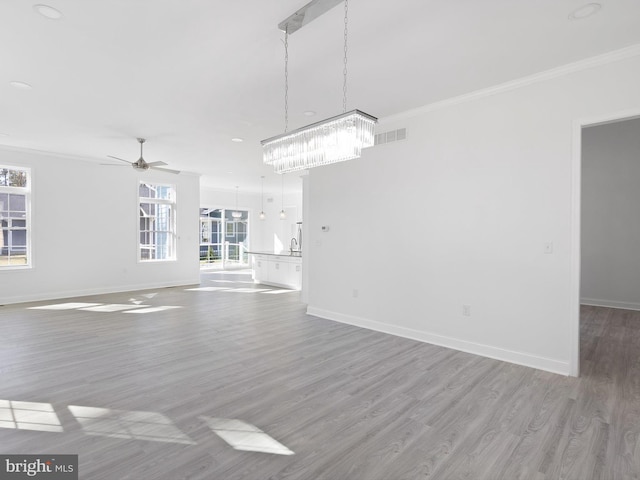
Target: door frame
576, 211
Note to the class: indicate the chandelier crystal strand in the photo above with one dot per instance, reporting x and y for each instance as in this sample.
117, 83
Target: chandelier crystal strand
334, 140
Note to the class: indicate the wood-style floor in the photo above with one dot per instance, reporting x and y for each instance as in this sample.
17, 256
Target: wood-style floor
165, 394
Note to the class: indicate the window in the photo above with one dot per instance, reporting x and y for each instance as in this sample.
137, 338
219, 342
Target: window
157, 222
224, 239
236, 244
231, 229
15, 189
211, 241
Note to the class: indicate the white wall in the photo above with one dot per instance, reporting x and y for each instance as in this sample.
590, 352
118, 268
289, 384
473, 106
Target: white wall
610, 219
84, 230
459, 214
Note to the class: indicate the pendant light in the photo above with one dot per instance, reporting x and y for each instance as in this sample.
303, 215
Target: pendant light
335, 139
236, 213
283, 215
262, 215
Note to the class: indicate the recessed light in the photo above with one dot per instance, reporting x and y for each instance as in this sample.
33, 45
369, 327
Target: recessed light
21, 85
237, 139
309, 113
585, 11
48, 12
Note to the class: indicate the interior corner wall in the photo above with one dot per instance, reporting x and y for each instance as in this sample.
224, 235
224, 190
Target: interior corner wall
442, 237
610, 274
84, 230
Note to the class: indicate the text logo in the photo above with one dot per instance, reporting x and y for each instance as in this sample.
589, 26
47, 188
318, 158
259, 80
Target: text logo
45, 467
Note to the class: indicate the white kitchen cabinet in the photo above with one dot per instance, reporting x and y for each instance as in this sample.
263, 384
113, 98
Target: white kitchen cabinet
279, 270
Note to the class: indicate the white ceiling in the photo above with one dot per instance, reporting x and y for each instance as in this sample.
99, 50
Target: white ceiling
189, 75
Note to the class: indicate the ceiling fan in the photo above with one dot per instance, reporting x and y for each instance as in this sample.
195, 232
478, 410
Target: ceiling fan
141, 164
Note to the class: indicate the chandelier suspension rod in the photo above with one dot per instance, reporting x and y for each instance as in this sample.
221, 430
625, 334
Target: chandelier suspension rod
344, 71
286, 79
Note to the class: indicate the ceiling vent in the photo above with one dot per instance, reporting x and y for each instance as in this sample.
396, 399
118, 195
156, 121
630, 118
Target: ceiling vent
390, 136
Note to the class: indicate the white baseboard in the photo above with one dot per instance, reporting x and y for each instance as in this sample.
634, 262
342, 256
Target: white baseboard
47, 296
598, 302
519, 358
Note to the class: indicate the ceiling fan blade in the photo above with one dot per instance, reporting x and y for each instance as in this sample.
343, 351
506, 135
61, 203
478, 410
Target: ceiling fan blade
142, 165
168, 170
121, 159
112, 165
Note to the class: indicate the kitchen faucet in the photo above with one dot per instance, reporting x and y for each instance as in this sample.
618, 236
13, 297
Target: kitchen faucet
293, 241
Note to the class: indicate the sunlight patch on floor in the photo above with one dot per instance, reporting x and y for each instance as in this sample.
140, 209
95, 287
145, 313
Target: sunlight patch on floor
231, 281
245, 437
137, 307
267, 291
112, 307
29, 416
136, 425
65, 306
206, 289
249, 290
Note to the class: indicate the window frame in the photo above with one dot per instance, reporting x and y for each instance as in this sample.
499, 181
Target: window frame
171, 233
26, 191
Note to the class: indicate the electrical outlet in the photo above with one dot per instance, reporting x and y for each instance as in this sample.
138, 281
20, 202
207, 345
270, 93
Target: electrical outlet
355, 293
466, 310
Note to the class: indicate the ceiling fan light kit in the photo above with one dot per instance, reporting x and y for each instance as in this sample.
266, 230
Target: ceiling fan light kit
333, 140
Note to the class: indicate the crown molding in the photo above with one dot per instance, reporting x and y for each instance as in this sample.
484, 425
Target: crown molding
66, 156
569, 68
49, 153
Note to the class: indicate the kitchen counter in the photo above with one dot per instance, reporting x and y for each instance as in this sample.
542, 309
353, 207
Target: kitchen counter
283, 254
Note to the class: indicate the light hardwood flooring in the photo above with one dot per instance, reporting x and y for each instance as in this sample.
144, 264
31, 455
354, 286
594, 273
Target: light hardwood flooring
152, 395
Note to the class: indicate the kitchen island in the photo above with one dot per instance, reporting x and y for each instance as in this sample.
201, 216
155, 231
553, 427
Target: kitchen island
278, 269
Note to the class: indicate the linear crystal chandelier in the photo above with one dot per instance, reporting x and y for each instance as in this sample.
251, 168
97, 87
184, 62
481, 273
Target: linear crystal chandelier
333, 140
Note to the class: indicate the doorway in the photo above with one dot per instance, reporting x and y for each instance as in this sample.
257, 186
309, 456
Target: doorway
605, 226
224, 238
